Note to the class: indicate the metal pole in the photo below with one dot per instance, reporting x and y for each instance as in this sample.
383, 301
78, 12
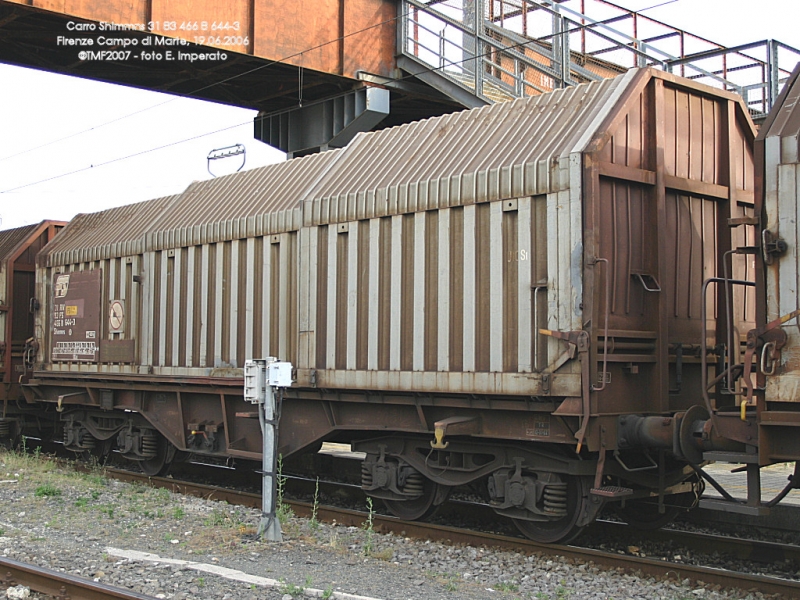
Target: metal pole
476, 23
270, 527
261, 378
774, 74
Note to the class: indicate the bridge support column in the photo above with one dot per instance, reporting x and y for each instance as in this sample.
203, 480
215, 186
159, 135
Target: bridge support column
323, 125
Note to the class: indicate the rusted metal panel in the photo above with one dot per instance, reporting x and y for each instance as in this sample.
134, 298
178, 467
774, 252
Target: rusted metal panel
10, 240
692, 259
208, 23
116, 11
779, 141
370, 37
279, 36
334, 37
676, 166
18, 302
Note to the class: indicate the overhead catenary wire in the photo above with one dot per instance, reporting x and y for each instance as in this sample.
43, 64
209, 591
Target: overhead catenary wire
271, 63
90, 129
430, 69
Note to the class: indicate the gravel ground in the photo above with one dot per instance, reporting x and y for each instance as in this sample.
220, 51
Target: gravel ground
172, 546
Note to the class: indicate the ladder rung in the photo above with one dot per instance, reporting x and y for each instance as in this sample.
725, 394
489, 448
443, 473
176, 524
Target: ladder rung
737, 221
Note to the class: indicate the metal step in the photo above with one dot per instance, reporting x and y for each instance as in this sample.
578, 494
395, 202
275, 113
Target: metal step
612, 491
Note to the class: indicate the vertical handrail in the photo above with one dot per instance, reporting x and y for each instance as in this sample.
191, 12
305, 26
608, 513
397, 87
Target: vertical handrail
602, 386
774, 73
478, 49
704, 342
441, 47
416, 31
536, 358
728, 312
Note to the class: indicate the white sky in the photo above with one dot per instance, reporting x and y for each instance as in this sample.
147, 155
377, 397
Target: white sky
40, 108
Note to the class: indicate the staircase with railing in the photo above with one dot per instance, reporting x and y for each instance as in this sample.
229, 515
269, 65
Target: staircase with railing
484, 51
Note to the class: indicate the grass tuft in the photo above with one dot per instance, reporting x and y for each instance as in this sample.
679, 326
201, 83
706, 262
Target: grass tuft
46, 490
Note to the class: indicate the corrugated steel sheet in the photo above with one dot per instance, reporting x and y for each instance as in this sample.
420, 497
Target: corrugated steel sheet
784, 119
779, 138
11, 238
114, 232
252, 203
505, 150
429, 255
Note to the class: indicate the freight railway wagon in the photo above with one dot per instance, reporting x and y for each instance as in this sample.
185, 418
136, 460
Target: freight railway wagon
18, 303
560, 299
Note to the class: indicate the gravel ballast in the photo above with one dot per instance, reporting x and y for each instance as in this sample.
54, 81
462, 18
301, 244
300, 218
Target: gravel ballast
171, 546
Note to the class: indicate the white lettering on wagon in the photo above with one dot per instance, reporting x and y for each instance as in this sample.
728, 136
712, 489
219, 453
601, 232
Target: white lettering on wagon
74, 350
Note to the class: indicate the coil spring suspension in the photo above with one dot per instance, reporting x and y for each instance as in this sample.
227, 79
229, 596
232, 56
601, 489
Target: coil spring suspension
555, 499
414, 483
83, 440
149, 443
366, 475
5, 429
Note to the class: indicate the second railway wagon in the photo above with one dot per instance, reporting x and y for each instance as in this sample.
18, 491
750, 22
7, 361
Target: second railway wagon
524, 296
18, 306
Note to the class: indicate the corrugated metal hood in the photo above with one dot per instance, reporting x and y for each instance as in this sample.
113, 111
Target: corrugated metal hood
476, 149
11, 238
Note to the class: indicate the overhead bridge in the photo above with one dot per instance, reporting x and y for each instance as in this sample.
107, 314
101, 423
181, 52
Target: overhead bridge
321, 71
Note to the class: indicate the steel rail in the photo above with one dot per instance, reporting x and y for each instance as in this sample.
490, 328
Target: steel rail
707, 543
60, 585
428, 531
632, 564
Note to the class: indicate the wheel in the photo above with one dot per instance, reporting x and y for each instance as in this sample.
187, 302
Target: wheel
162, 461
433, 495
564, 530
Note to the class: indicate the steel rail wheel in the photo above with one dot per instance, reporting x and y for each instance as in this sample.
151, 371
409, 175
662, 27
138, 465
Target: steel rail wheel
422, 507
565, 529
162, 461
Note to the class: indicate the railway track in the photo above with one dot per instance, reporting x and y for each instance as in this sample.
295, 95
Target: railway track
746, 549
60, 585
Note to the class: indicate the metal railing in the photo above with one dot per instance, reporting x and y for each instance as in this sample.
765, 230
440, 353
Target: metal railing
502, 49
